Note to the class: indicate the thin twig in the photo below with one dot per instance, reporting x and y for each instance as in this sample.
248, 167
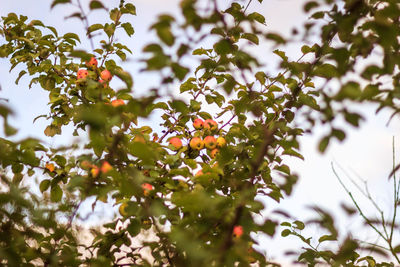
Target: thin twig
356, 204
395, 193
86, 22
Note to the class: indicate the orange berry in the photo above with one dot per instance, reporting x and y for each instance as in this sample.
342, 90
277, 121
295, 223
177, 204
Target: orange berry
106, 75
106, 167
139, 139
210, 125
117, 102
50, 167
210, 142
176, 143
92, 63
214, 153
82, 74
95, 171
196, 143
147, 188
198, 124
237, 231
85, 164
221, 142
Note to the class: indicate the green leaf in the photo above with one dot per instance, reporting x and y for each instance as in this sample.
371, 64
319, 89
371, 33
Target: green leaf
163, 29
125, 77
305, 49
52, 130
318, 15
95, 4
53, 30
44, 185
339, 134
269, 227
257, 17
286, 232
370, 91
353, 118
261, 77
275, 37
95, 27
56, 193
143, 152
56, 2
115, 15
179, 106
281, 54
179, 71
308, 100
323, 144
8, 130
326, 238
350, 90
71, 36
81, 54
326, 71
128, 28
299, 225
223, 47
251, 37
128, 9
200, 51
310, 5
37, 23
134, 227
166, 35
22, 73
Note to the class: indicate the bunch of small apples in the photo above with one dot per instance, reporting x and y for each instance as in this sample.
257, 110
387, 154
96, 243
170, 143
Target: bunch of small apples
206, 129
104, 78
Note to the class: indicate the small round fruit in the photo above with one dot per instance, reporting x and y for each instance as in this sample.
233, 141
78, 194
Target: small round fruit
95, 171
221, 142
92, 63
106, 167
210, 142
106, 75
210, 125
82, 74
198, 173
214, 153
86, 165
122, 209
198, 124
196, 143
176, 143
117, 102
237, 231
147, 188
139, 139
50, 167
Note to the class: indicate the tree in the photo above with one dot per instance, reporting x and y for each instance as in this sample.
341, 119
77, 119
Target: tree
200, 218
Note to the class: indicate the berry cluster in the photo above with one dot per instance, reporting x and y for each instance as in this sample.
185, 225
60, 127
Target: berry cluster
212, 144
104, 78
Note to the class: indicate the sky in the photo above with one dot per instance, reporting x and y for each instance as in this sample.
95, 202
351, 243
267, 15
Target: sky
366, 151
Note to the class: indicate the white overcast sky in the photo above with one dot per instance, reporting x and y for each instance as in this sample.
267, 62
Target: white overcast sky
366, 151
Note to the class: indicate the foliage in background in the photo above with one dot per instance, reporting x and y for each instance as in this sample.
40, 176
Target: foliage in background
200, 219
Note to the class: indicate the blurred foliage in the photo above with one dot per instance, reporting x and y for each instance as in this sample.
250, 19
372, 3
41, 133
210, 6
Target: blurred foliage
156, 184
